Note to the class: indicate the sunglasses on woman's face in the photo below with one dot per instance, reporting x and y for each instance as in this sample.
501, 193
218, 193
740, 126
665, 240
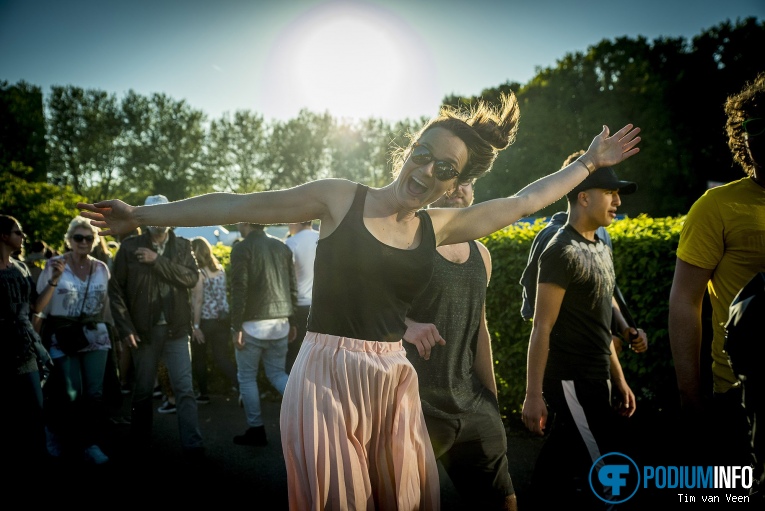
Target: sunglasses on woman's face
79, 238
443, 170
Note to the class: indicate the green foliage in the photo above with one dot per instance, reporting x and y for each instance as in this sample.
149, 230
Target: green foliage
650, 84
644, 258
236, 152
22, 129
163, 143
297, 150
84, 128
223, 254
44, 210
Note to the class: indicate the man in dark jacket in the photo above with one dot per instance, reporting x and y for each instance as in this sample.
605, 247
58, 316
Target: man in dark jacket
263, 303
150, 299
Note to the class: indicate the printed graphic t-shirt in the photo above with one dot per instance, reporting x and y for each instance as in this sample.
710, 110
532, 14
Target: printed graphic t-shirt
581, 337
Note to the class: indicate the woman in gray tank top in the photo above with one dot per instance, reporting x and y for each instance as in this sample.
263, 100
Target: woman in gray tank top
352, 427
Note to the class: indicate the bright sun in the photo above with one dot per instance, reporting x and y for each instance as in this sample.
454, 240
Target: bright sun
353, 61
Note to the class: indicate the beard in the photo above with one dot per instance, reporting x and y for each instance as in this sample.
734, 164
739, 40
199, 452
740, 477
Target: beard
157, 231
756, 147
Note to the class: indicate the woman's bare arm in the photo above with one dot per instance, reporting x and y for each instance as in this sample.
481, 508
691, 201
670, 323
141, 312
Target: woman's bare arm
323, 199
455, 225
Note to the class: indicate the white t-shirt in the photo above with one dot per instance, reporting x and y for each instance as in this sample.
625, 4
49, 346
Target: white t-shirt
67, 301
267, 329
303, 246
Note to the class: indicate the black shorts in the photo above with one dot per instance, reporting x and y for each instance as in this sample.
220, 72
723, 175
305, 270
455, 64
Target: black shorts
473, 450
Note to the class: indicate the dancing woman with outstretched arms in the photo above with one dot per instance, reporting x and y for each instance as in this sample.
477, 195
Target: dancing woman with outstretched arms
351, 423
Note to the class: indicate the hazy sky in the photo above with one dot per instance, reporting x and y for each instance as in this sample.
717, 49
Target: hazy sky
382, 58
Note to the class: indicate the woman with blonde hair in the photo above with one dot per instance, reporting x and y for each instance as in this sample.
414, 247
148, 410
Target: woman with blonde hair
78, 340
211, 319
353, 432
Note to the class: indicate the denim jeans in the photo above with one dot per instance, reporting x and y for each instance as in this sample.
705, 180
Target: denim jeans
177, 357
74, 408
273, 353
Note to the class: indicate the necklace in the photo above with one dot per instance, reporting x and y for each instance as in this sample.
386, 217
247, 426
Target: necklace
74, 264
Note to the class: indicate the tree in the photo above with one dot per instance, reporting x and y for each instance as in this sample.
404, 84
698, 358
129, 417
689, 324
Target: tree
297, 150
22, 129
84, 140
236, 152
43, 209
673, 89
163, 148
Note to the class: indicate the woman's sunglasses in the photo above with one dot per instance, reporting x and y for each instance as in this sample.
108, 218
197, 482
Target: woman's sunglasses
79, 238
443, 170
754, 127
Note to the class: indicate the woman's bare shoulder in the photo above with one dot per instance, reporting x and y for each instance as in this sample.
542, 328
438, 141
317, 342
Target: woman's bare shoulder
337, 195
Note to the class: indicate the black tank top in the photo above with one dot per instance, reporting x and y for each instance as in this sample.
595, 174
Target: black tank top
362, 288
453, 301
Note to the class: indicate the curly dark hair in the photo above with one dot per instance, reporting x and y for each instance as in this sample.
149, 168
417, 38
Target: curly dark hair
747, 104
486, 129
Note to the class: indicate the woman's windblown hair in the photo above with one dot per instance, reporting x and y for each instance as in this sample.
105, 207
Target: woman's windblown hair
486, 129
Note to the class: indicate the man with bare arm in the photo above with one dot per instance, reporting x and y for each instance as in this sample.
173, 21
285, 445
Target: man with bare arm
572, 362
722, 246
456, 378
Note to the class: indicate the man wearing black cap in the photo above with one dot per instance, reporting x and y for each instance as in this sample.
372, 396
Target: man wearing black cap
623, 331
571, 357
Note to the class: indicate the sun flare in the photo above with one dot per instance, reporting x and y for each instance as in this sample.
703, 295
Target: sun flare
352, 61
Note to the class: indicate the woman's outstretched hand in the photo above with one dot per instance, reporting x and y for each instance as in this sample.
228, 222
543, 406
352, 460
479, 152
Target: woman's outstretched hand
605, 151
111, 216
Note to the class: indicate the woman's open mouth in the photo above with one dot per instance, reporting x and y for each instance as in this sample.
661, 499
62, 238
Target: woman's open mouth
416, 186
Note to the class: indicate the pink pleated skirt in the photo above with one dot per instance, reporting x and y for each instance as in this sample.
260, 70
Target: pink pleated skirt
353, 433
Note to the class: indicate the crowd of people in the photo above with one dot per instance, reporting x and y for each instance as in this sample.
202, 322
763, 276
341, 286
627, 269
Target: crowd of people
374, 328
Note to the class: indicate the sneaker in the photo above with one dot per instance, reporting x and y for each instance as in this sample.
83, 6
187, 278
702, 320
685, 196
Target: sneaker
203, 399
157, 391
253, 436
125, 389
94, 455
167, 407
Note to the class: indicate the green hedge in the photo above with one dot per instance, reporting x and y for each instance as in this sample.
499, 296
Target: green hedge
644, 257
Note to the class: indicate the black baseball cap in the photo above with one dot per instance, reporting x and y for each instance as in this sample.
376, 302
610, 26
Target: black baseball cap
604, 178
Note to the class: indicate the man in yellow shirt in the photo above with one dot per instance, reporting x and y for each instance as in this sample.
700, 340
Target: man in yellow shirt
722, 246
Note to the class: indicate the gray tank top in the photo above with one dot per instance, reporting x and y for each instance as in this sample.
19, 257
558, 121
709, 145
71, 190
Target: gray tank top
453, 301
